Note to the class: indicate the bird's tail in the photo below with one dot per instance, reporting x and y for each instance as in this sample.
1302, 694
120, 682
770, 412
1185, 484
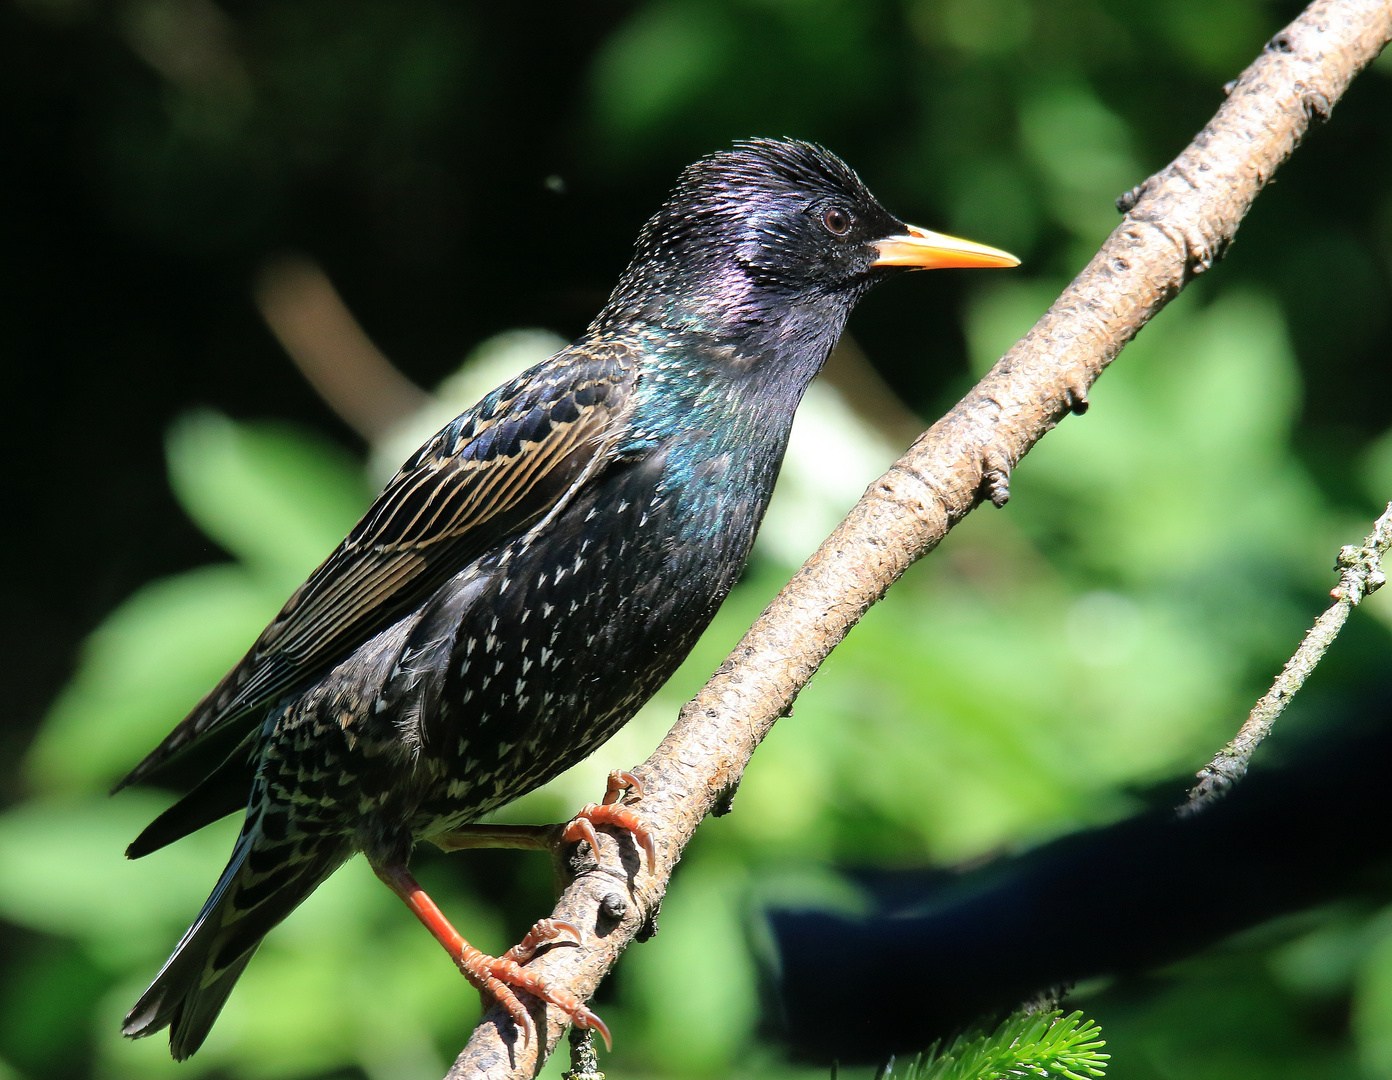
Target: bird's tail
261, 886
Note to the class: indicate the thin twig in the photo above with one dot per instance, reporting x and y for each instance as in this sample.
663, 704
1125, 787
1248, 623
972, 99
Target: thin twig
1361, 574
331, 349
1177, 224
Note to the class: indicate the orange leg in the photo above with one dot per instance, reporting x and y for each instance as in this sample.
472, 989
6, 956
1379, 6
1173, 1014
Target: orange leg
498, 976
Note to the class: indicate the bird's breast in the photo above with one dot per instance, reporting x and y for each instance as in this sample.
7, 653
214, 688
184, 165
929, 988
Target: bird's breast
580, 622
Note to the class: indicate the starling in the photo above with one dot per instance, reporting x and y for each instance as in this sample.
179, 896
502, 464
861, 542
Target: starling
531, 576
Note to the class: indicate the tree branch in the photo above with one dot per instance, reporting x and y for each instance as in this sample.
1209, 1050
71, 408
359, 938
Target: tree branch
1177, 224
1361, 574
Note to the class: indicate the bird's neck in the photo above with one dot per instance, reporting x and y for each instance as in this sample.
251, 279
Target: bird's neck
762, 352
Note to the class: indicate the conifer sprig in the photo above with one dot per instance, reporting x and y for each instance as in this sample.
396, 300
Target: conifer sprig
1025, 1045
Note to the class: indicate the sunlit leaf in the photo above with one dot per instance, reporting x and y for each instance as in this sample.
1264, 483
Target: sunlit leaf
277, 499
63, 871
142, 671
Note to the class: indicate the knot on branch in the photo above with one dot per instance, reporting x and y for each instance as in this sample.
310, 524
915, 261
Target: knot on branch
913, 490
613, 906
995, 478
1216, 779
1127, 200
725, 799
1316, 105
1199, 243
1362, 573
648, 930
1361, 566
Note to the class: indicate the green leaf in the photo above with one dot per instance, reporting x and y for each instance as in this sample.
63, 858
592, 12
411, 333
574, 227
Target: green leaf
1372, 1008
141, 672
694, 981
63, 871
274, 497
1083, 150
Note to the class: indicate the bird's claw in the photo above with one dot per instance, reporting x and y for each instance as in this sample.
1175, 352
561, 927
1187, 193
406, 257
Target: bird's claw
588, 1020
501, 976
621, 780
610, 812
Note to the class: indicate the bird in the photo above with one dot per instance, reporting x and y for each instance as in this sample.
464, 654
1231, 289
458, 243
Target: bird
529, 578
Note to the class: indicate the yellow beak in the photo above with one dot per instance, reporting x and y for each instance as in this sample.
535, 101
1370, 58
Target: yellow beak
926, 250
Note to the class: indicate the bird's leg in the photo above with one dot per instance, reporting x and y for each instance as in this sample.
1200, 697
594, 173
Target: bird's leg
519, 837
549, 837
498, 976
609, 812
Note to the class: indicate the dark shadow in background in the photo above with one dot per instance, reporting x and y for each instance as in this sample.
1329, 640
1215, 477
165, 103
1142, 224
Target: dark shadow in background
944, 950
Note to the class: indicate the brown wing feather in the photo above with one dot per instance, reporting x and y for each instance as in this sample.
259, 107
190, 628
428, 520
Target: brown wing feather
490, 474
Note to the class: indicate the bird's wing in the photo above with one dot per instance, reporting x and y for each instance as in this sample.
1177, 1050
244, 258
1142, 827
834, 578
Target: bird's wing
489, 475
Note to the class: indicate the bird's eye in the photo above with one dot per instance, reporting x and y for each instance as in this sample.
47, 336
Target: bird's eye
836, 221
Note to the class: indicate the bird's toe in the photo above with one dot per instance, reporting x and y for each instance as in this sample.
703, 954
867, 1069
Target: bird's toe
612, 812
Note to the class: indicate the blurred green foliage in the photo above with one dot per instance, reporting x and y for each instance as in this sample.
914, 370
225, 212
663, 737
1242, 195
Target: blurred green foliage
1158, 560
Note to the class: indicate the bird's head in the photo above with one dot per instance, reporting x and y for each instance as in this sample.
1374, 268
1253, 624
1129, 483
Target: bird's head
765, 231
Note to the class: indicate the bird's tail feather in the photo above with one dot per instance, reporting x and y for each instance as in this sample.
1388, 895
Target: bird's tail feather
192, 987
223, 791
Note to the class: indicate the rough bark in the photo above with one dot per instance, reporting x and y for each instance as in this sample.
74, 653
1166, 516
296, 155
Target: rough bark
1176, 225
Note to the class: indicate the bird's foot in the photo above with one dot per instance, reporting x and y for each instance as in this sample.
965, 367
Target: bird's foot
610, 812
501, 976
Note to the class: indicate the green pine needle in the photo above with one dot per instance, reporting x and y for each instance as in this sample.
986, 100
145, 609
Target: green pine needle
1027, 1044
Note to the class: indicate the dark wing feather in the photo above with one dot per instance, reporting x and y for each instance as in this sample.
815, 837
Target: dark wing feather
490, 474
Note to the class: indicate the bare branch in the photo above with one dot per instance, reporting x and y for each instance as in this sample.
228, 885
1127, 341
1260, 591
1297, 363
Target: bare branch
331, 349
1362, 574
1177, 224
